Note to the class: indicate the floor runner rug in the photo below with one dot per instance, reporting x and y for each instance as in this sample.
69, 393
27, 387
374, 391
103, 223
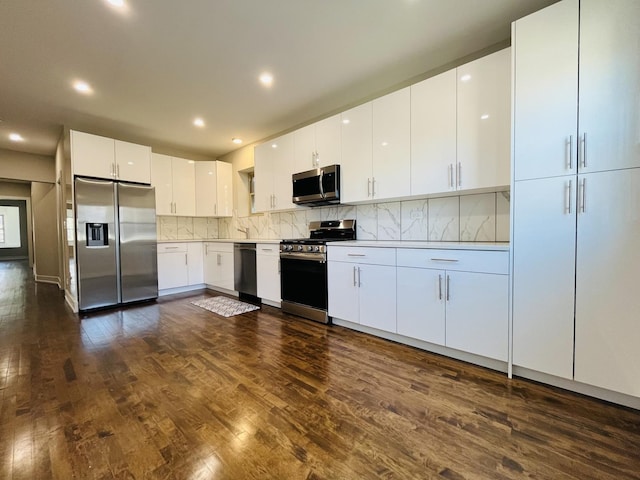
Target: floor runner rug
227, 307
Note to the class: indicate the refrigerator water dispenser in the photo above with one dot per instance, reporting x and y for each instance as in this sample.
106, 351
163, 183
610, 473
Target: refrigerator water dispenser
97, 235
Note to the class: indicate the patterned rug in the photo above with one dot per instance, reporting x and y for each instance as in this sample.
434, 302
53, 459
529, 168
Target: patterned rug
227, 307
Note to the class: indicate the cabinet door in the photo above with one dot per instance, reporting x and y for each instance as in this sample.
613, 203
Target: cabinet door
544, 223
478, 313
268, 271
357, 143
263, 175
608, 265
227, 272
377, 290
224, 189
420, 295
609, 84
172, 270
195, 263
210, 263
433, 134
328, 141
92, 155
484, 122
206, 176
162, 180
546, 92
184, 181
133, 162
282, 171
342, 280
391, 145
304, 152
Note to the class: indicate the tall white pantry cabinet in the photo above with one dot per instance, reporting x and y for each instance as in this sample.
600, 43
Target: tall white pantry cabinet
576, 193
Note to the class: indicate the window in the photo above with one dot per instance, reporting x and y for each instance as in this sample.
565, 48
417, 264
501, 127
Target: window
2, 228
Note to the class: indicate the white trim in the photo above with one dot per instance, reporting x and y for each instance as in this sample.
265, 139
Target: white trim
49, 279
222, 290
271, 303
187, 288
71, 301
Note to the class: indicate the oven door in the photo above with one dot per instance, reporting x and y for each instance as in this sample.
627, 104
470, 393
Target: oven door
303, 280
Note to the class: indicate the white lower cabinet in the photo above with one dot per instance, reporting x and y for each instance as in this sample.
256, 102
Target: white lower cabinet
218, 265
455, 298
362, 286
268, 271
179, 265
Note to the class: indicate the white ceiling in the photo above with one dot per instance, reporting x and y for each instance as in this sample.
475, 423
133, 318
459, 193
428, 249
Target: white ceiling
160, 63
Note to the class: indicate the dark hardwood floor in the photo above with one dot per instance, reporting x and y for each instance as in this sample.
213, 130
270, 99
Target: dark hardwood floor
170, 391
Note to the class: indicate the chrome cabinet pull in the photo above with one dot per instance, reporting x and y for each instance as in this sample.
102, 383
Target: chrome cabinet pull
569, 154
450, 172
118, 171
459, 174
279, 266
583, 150
359, 278
445, 260
373, 187
206, 249
171, 248
567, 199
582, 187
186, 262
317, 159
354, 276
368, 187
215, 208
219, 260
447, 287
356, 255
439, 287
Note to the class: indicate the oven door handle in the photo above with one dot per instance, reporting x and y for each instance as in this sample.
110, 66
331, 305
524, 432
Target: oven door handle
314, 257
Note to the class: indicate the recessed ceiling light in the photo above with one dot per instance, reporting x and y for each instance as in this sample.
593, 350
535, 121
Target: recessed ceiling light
266, 79
465, 78
274, 145
346, 121
384, 144
198, 122
16, 137
236, 140
484, 117
116, 3
82, 87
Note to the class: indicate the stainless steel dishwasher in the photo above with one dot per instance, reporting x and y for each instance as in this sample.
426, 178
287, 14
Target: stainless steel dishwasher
245, 278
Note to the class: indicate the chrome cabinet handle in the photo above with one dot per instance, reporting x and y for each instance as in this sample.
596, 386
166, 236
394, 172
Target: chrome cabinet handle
450, 173
118, 171
317, 159
215, 208
447, 287
354, 276
373, 187
582, 187
356, 255
219, 260
439, 287
583, 150
368, 187
171, 248
279, 266
459, 174
359, 278
567, 199
569, 153
186, 262
445, 260
206, 249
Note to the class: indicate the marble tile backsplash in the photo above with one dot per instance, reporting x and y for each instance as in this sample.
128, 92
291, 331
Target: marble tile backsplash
469, 218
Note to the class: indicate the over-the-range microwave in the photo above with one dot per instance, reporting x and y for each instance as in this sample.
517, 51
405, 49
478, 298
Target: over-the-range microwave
320, 186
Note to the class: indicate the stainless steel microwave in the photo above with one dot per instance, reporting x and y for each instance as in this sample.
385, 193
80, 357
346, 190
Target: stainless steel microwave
320, 186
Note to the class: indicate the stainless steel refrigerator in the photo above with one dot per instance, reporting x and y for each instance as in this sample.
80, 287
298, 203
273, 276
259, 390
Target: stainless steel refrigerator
115, 243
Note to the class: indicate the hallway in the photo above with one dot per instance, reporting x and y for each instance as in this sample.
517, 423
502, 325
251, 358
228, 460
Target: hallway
167, 390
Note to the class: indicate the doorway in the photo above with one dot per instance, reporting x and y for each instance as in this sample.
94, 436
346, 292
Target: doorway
14, 240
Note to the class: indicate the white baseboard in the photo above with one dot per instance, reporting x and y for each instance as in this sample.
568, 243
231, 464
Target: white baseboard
188, 288
271, 303
222, 290
49, 279
71, 301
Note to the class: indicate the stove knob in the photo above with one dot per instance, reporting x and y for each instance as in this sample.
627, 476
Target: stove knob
316, 248
310, 248
300, 247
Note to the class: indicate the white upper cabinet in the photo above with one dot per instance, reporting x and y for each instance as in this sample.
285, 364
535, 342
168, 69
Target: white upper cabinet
102, 157
433, 134
391, 145
356, 169
484, 122
273, 162
545, 83
317, 145
609, 119
174, 181
213, 189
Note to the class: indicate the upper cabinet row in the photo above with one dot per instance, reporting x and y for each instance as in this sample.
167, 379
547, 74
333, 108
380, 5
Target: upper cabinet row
449, 132
191, 189
102, 157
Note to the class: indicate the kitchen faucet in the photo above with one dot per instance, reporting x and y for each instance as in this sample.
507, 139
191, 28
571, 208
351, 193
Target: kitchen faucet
245, 231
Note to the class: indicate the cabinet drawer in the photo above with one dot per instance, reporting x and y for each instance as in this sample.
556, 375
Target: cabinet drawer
172, 248
456, 260
218, 247
269, 249
374, 256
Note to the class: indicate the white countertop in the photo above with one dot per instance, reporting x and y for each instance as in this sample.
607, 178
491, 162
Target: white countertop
497, 246
226, 240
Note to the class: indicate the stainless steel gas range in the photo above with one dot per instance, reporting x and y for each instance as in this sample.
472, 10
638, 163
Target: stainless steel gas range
303, 272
